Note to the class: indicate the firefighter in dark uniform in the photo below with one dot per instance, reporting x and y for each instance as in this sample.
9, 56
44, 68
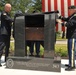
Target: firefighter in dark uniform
6, 22
70, 23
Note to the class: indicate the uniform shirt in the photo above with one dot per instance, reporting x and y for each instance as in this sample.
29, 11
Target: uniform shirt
71, 26
5, 23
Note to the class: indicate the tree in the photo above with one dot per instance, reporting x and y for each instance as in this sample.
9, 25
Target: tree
22, 5
37, 5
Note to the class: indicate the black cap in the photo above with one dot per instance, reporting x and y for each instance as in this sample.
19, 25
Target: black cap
72, 7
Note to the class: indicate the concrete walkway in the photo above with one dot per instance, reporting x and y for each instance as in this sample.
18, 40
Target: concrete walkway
4, 71
61, 42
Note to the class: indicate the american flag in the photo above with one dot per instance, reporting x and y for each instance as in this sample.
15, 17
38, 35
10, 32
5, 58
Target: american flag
61, 5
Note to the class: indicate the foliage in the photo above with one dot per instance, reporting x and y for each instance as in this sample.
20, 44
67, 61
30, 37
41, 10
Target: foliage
11, 46
58, 34
22, 5
62, 49
37, 5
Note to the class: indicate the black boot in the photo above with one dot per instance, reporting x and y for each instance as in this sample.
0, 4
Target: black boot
67, 65
31, 54
37, 55
70, 68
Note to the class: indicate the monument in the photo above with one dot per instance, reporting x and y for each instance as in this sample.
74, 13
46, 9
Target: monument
36, 27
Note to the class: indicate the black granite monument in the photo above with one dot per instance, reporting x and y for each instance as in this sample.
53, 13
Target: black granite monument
36, 27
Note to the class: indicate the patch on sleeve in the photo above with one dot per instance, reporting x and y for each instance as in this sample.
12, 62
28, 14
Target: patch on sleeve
4, 13
74, 14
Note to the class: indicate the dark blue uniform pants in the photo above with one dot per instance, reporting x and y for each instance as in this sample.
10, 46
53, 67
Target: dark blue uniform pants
5, 42
1, 48
71, 52
37, 46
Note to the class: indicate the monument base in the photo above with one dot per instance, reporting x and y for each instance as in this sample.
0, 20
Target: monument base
33, 63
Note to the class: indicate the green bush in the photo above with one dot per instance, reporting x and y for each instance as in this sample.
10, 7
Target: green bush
58, 35
12, 46
62, 49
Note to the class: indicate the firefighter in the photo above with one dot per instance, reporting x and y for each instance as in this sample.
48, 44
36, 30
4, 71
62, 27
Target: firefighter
6, 22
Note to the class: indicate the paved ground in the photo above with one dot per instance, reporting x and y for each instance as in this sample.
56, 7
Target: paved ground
4, 71
61, 42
